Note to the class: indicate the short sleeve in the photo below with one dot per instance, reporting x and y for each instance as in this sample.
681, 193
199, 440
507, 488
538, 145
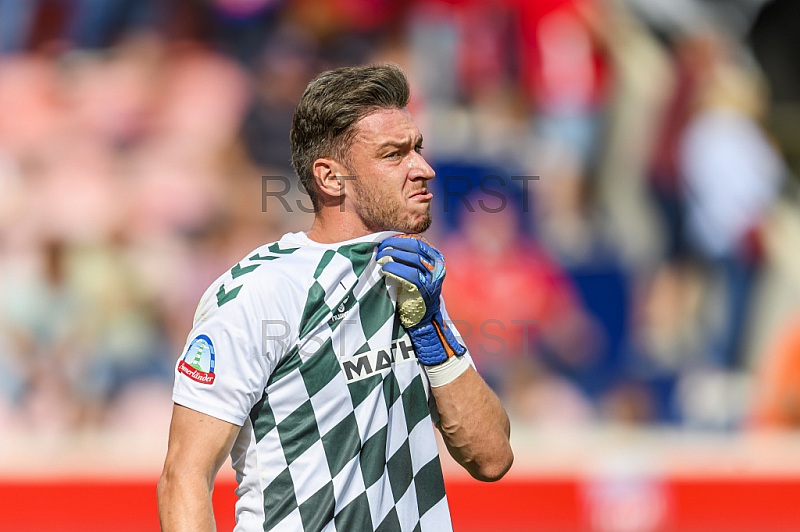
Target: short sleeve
228, 355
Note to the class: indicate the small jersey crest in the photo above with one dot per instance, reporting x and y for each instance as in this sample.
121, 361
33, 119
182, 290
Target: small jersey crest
198, 362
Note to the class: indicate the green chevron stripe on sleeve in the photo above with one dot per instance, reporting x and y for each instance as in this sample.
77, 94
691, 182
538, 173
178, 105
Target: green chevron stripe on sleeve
258, 256
275, 248
223, 296
237, 270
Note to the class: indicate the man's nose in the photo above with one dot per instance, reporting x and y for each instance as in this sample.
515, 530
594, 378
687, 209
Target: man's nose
421, 168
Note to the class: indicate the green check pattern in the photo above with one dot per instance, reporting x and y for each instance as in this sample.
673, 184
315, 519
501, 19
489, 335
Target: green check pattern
347, 456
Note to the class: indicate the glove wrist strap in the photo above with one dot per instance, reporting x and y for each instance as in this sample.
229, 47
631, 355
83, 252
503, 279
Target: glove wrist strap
434, 342
447, 371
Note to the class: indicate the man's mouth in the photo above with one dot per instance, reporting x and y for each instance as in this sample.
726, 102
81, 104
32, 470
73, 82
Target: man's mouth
422, 195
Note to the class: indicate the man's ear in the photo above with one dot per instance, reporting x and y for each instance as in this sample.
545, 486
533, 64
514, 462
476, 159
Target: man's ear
328, 175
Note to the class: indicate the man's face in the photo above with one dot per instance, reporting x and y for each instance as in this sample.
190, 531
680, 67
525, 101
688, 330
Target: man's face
391, 176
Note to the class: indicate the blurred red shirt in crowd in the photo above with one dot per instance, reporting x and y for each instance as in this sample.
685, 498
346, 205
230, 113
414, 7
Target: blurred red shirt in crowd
505, 288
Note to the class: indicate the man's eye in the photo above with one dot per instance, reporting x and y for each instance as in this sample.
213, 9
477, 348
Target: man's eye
390, 155
418, 149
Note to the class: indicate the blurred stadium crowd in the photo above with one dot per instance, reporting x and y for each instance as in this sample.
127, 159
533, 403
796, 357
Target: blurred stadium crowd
648, 274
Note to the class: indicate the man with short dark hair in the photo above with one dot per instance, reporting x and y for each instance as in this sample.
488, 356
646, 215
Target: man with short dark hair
319, 361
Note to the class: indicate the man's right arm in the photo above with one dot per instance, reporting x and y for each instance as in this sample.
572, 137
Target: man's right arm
198, 446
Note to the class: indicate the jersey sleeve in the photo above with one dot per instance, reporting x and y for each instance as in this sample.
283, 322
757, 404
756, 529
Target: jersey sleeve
229, 354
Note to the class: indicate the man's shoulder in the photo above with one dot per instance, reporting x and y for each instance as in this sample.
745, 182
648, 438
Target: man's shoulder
276, 271
274, 263
284, 271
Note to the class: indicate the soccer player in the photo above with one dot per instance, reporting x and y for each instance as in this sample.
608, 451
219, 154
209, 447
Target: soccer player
321, 362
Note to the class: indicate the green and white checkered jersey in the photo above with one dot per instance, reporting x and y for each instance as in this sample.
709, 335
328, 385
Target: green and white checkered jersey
300, 345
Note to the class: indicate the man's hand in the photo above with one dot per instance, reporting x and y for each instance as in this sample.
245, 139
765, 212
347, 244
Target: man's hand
420, 270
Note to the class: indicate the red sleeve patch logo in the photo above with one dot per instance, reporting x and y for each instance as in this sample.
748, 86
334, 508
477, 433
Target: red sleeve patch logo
198, 362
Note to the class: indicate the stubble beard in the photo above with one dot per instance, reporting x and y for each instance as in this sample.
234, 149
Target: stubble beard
379, 214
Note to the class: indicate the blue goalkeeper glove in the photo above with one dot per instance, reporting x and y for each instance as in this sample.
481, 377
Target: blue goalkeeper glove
420, 270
